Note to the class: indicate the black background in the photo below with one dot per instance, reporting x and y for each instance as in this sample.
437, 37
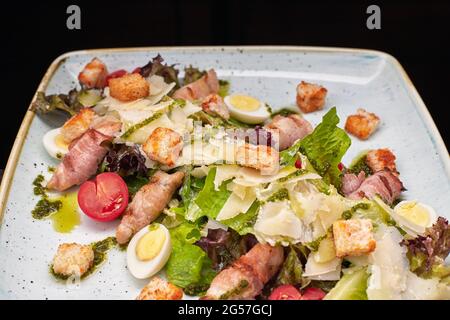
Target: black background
35, 33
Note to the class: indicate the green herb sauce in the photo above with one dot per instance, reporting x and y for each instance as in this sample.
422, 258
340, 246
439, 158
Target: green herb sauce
359, 164
293, 175
280, 195
63, 211
283, 112
348, 214
100, 249
235, 291
140, 125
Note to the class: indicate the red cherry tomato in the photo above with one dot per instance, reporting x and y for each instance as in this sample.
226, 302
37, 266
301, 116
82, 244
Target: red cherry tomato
285, 292
313, 294
103, 198
115, 74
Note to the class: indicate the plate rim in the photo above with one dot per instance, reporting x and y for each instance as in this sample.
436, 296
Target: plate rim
13, 158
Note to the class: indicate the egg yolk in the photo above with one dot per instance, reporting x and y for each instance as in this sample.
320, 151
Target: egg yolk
60, 143
415, 213
150, 244
245, 103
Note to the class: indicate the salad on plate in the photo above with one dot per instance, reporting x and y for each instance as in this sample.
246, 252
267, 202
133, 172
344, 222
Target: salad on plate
217, 196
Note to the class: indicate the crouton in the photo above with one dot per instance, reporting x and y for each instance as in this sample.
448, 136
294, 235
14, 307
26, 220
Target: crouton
129, 87
73, 259
310, 97
159, 289
353, 237
77, 125
381, 159
94, 74
163, 145
213, 104
260, 157
362, 124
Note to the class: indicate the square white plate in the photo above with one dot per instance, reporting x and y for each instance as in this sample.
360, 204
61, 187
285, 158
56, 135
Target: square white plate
354, 78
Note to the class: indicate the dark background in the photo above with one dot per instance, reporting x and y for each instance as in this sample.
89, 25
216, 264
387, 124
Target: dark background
35, 33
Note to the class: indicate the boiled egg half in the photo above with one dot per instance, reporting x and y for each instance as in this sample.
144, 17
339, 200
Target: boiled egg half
55, 144
148, 251
246, 108
414, 217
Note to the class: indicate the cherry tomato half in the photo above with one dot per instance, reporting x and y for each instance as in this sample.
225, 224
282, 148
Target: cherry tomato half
285, 292
115, 74
104, 198
313, 294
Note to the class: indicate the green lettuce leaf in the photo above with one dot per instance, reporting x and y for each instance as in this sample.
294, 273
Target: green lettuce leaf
352, 286
243, 223
291, 271
210, 201
324, 148
189, 266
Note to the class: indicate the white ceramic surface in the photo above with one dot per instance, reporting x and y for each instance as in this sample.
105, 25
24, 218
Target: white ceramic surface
354, 78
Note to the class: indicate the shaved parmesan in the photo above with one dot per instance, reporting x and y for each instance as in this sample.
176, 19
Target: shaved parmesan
158, 88
328, 271
236, 205
225, 172
276, 219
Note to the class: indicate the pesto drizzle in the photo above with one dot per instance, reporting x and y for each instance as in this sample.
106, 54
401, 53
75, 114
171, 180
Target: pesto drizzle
100, 249
235, 291
44, 207
140, 125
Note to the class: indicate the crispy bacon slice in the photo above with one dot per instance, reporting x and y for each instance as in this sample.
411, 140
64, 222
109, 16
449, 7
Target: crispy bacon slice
246, 277
383, 183
81, 162
287, 130
199, 89
148, 203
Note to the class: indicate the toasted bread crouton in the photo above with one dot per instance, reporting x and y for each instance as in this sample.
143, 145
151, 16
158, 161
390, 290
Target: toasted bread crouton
77, 125
214, 104
381, 159
310, 97
163, 145
353, 237
260, 157
129, 87
362, 124
73, 259
94, 74
159, 289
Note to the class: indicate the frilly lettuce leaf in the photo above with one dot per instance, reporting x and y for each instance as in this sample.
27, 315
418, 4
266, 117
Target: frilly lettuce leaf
427, 253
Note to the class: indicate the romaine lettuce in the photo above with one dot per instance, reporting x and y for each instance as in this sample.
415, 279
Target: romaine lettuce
352, 286
243, 223
189, 266
324, 148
